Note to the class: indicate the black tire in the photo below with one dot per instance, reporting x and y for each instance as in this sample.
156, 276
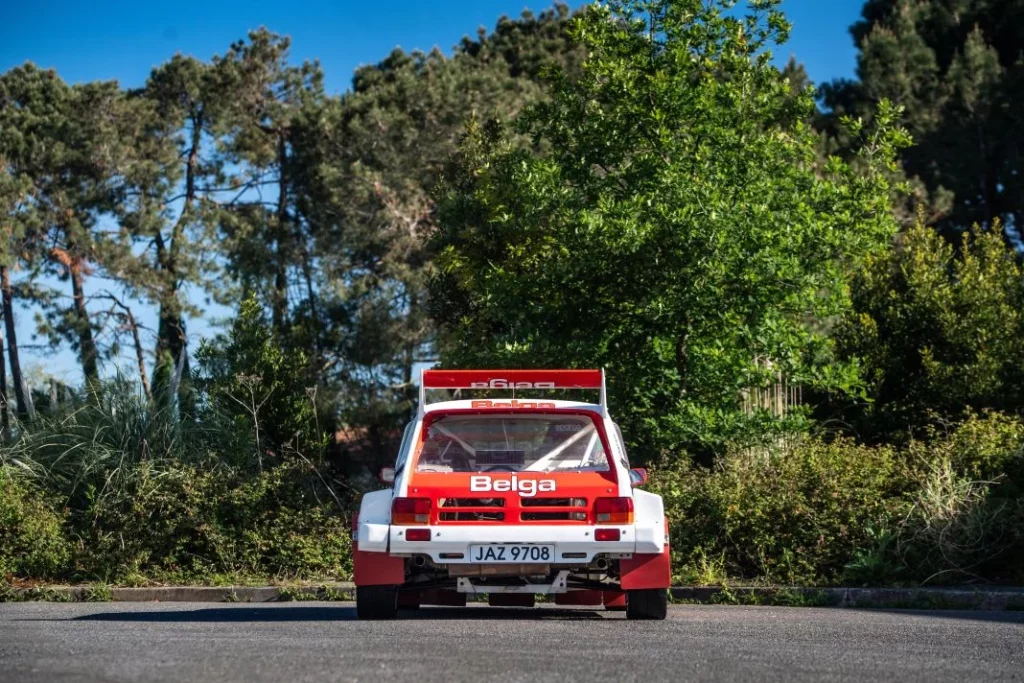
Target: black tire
377, 602
647, 603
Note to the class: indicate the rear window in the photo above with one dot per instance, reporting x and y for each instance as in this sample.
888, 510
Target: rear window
512, 443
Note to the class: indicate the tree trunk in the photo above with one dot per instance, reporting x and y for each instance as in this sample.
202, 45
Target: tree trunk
170, 343
140, 354
20, 395
281, 235
5, 418
86, 343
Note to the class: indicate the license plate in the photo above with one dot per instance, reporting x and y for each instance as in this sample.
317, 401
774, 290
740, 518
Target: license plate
511, 552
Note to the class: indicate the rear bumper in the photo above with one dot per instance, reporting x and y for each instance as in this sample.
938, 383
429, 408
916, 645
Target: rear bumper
451, 540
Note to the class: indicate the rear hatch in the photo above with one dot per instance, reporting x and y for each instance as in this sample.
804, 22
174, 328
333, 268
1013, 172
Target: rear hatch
516, 498
522, 467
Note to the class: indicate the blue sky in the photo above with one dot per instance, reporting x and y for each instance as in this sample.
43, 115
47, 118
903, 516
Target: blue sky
85, 40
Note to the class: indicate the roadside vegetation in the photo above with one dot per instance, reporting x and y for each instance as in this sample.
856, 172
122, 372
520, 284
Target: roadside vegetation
636, 187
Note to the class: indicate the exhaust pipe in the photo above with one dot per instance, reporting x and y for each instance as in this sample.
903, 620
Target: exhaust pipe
419, 561
601, 563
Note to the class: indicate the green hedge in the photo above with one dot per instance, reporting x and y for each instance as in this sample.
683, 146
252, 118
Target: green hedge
188, 523
32, 538
945, 510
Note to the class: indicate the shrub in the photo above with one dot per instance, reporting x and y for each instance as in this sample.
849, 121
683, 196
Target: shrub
32, 542
148, 495
936, 329
790, 514
187, 523
255, 391
945, 510
968, 518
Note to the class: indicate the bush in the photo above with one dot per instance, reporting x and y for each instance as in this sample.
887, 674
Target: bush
968, 518
257, 393
32, 542
787, 515
946, 510
187, 524
936, 330
150, 495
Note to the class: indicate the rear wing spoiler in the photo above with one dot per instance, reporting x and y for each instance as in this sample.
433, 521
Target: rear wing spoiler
510, 380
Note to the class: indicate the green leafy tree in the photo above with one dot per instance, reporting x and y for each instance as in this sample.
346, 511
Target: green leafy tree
676, 225
258, 387
365, 166
937, 330
956, 67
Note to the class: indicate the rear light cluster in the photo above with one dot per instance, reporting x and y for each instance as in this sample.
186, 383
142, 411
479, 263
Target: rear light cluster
406, 511
417, 535
613, 510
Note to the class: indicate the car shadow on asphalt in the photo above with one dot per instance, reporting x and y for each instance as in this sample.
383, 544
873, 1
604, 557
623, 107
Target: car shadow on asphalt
246, 613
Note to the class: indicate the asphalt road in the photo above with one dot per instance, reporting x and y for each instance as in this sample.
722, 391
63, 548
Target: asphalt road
295, 642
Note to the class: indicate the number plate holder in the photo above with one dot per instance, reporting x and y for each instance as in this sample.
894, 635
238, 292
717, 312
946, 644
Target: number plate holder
511, 553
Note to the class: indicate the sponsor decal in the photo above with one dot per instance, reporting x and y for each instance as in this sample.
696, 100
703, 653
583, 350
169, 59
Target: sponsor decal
514, 403
524, 487
505, 384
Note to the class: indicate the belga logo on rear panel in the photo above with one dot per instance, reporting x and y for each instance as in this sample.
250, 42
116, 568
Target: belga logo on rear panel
524, 487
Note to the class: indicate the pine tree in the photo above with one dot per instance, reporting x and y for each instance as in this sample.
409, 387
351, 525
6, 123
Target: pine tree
67, 155
266, 241
175, 193
367, 165
957, 67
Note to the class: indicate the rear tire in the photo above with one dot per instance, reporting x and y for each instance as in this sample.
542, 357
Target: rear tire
647, 603
377, 602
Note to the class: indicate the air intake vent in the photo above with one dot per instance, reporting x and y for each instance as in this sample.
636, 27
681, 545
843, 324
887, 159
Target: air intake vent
471, 502
553, 502
472, 516
554, 516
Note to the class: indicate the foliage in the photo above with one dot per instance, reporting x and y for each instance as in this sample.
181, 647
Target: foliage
785, 515
257, 391
677, 228
956, 68
816, 511
186, 523
936, 330
32, 541
148, 495
366, 165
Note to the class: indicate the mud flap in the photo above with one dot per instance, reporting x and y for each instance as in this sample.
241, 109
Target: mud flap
646, 571
377, 569
578, 598
614, 600
442, 596
408, 599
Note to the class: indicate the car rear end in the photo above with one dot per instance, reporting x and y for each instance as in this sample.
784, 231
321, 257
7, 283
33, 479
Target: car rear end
512, 499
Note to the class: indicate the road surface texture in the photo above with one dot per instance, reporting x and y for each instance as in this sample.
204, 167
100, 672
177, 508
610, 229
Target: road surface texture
296, 642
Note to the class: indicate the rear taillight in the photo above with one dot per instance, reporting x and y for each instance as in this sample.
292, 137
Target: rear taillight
417, 535
606, 534
613, 510
410, 511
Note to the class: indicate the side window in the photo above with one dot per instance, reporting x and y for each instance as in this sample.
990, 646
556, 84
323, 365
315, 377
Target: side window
403, 451
621, 446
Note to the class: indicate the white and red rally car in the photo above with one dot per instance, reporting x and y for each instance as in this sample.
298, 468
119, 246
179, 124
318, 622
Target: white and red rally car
512, 498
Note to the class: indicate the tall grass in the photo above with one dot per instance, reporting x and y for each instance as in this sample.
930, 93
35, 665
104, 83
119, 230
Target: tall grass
144, 492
